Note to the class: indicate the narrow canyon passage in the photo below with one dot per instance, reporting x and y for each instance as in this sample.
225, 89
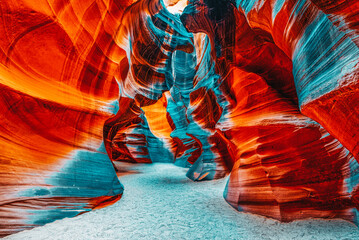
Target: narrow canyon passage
159, 202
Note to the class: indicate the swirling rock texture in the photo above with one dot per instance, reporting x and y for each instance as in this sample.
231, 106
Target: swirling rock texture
57, 64
264, 90
168, 88
287, 166
297, 169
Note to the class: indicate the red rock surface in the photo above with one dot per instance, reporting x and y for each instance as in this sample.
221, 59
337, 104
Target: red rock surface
266, 90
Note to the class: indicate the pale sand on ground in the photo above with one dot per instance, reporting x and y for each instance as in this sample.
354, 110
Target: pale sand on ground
161, 203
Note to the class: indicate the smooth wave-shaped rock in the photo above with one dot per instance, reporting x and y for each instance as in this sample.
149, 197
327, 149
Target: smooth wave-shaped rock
266, 90
286, 165
321, 38
57, 65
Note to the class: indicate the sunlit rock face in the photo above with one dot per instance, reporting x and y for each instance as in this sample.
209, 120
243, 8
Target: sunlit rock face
264, 90
288, 167
325, 69
57, 65
276, 65
170, 101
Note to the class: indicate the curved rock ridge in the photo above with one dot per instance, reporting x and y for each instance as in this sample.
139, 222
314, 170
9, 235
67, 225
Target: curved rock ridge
263, 90
287, 166
169, 94
321, 38
57, 65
